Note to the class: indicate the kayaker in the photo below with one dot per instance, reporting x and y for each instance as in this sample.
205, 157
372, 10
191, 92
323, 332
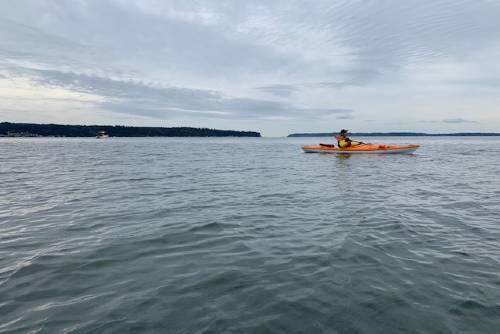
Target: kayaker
343, 140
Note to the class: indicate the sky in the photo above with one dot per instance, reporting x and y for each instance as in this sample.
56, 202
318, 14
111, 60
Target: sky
272, 66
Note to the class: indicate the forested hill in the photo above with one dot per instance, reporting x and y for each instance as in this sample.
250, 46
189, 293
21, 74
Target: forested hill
396, 134
56, 130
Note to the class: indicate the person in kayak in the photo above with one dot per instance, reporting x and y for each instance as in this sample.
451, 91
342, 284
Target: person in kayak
344, 141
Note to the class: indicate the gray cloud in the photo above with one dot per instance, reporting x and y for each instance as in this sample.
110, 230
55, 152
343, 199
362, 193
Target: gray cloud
382, 31
344, 117
389, 35
457, 120
231, 39
353, 77
279, 90
146, 99
21, 42
485, 82
127, 34
337, 84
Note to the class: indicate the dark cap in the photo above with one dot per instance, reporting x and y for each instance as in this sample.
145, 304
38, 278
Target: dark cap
343, 131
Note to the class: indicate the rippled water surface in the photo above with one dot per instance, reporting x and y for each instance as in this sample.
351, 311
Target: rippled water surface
248, 236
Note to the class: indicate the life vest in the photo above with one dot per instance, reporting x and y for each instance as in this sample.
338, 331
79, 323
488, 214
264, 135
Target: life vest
343, 141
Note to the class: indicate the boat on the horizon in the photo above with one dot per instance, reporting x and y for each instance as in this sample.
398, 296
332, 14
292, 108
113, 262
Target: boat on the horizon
102, 135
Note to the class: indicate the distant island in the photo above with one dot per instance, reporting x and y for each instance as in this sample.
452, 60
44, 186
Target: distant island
398, 134
56, 130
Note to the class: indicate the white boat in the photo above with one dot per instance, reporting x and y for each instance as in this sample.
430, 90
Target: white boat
102, 135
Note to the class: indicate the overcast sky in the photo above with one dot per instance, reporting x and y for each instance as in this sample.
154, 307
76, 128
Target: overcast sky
271, 66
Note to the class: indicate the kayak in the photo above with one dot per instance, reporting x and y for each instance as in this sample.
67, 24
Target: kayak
362, 148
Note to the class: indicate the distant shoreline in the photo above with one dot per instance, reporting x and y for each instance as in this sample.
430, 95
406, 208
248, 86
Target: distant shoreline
58, 130
400, 134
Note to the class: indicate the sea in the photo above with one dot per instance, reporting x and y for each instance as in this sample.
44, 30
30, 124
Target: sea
248, 235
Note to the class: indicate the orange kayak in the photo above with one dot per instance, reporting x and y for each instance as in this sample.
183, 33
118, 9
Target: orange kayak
362, 148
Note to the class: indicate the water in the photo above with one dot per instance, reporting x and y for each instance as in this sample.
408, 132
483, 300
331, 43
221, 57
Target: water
248, 236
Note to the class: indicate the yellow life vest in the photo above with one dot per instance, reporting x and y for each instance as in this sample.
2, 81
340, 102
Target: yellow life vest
342, 142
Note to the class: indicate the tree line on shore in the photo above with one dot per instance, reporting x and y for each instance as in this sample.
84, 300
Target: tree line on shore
58, 130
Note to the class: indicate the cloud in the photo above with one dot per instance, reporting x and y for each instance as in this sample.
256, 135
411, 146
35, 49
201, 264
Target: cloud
353, 77
457, 120
484, 82
130, 34
389, 35
344, 117
338, 84
279, 90
147, 99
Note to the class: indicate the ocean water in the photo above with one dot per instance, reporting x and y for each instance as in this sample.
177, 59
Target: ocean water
235, 235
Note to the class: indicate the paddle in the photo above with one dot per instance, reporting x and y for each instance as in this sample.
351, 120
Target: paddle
352, 141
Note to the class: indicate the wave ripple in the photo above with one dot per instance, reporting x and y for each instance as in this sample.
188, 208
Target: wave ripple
247, 235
